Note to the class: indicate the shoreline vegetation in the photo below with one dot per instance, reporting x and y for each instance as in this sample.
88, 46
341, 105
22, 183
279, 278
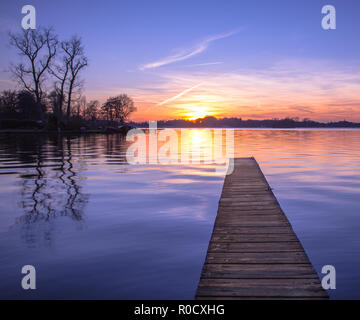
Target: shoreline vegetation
213, 122
81, 126
49, 95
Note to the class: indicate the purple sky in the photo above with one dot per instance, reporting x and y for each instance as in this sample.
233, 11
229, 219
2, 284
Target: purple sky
253, 59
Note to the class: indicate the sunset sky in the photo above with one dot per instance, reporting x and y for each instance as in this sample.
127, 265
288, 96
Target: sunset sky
188, 59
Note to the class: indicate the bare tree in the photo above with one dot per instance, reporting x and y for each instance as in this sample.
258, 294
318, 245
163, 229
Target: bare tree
8, 102
92, 110
38, 47
75, 60
56, 101
119, 108
80, 107
60, 72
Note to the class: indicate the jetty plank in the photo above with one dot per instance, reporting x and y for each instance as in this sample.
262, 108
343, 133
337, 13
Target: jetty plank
254, 252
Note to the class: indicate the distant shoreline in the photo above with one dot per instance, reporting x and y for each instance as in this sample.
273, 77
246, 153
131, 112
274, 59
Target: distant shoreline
20, 131
212, 122
52, 132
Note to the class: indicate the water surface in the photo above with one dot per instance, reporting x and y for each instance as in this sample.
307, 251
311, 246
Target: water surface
95, 226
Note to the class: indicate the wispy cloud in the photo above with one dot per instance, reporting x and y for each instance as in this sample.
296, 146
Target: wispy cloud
199, 48
179, 95
204, 64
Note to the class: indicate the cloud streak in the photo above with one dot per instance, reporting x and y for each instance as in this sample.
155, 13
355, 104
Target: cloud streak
179, 95
204, 64
199, 48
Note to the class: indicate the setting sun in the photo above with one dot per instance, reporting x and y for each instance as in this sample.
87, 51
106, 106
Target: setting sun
195, 112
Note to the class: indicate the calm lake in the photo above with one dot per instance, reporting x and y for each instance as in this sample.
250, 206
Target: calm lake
95, 226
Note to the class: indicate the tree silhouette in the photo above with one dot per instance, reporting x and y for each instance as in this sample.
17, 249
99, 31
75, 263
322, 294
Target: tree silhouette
38, 47
76, 61
118, 109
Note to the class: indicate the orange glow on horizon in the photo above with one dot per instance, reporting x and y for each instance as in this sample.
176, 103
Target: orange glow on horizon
316, 110
196, 112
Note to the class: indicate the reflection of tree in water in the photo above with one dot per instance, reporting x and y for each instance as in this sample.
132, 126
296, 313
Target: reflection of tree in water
115, 148
52, 189
49, 169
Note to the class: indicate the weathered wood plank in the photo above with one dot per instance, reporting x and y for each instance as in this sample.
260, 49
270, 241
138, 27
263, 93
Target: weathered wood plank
253, 230
263, 271
261, 287
249, 238
260, 218
230, 212
257, 257
253, 252
255, 247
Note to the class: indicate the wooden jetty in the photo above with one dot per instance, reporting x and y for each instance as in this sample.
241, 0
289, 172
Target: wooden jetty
253, 252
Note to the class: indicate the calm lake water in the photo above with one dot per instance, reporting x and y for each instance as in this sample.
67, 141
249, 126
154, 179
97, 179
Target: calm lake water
95, 226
